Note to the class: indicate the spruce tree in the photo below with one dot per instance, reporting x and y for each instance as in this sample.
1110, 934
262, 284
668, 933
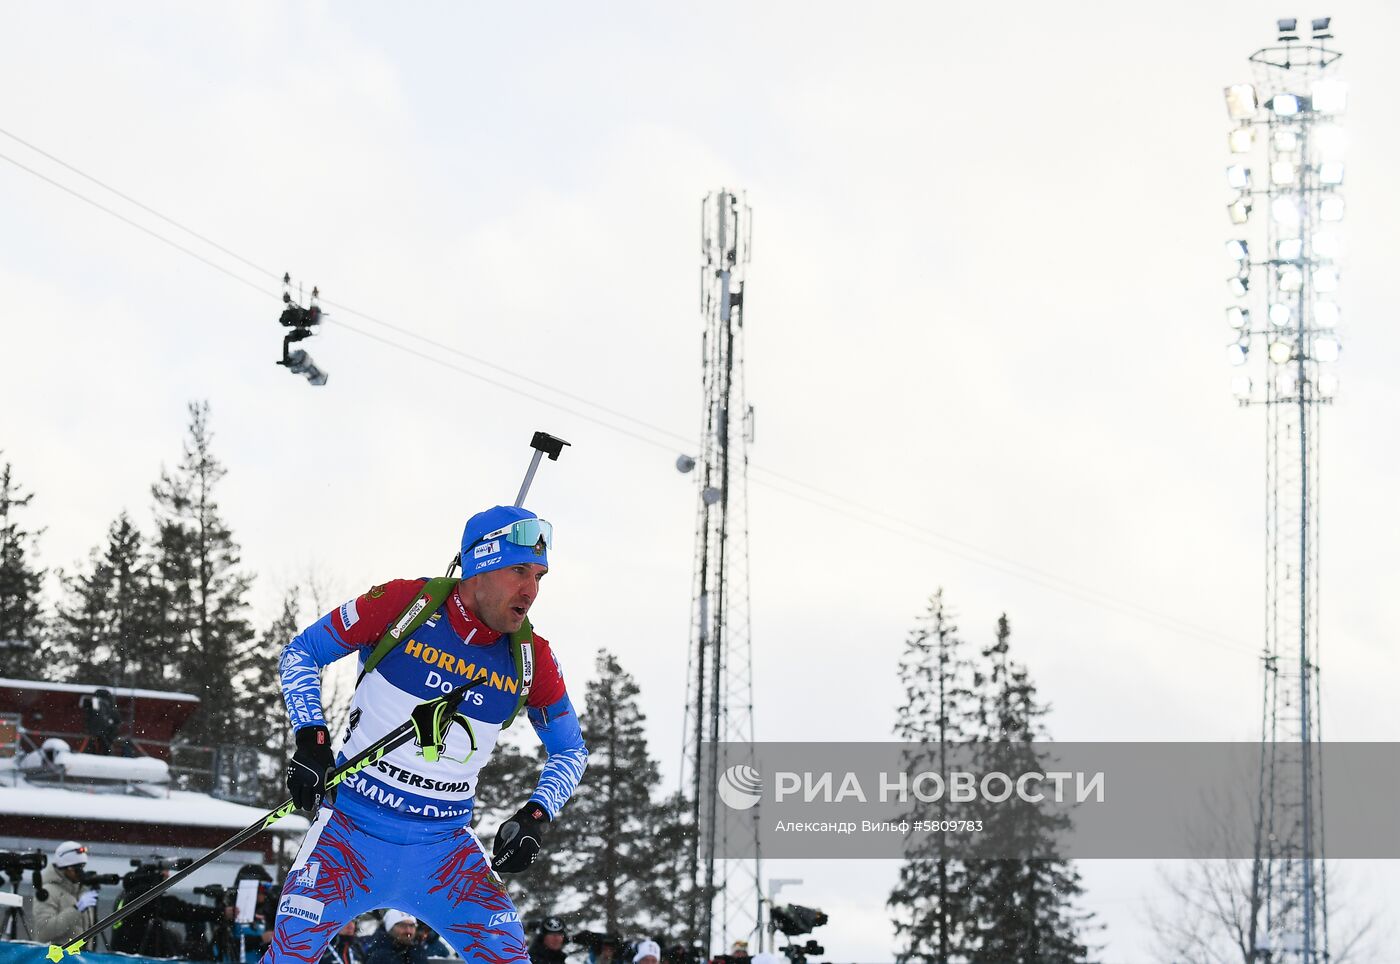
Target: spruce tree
107, 621
928, 901
612, 870
21, 586
1020, 911
199, 584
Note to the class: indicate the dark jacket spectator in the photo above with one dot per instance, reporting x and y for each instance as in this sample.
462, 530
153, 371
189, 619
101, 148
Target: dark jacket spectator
548, 945
345, 947
396, 943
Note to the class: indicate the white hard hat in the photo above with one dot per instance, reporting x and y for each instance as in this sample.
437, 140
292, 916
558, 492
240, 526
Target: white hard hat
69, 854
392, 918
647, 949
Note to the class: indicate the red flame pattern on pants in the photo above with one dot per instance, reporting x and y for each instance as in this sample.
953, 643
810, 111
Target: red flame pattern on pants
436, 872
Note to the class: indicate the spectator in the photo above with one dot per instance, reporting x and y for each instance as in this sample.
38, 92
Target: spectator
68, 907
548, 945
740, 949
648, 952
145, 931
345, 946
395, 943
251, 937
431, 941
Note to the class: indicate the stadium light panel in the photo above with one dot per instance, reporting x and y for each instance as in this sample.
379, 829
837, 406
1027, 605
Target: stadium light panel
1325, 280
1329, 96
1280, 351
1237, 176
1241, 101
1326, 314
1242, 140
1326, 348
1237, 249
1290, 249
1285, 140
1326, 244
1280, 314
1239, 210
1282, 173
1284, 208
1331, 173
1237, 318
1285, 105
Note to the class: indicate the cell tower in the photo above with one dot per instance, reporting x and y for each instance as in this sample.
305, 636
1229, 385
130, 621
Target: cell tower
724, 903
1286, 176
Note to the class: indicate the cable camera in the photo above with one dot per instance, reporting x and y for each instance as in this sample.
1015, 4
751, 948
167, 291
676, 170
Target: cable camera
301, 321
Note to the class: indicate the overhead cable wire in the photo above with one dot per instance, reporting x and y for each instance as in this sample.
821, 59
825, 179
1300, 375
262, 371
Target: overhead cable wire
136, 224
924, 535
1029, 574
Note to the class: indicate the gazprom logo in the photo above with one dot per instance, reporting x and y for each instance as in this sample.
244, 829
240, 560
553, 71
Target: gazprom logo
740, 787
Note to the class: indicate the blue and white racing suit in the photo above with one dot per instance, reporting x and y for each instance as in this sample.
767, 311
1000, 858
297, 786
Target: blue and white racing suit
398, 833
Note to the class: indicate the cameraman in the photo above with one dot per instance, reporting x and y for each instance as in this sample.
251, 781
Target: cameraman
144, 932
67, 907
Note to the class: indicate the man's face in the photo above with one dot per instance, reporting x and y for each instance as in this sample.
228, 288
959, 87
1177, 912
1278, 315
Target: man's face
403, 931
502, 597
554, 941
73, 873
349, 929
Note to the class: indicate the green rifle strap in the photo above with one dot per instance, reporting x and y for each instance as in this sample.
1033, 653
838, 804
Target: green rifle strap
434, 594
522, 648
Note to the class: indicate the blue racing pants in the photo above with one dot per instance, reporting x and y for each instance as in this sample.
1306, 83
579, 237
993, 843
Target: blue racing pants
356, 858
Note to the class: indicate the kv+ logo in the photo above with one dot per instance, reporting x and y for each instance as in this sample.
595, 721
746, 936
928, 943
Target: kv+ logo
740, 787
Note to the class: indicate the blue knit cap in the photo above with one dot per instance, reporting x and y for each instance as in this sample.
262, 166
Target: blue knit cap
483, 555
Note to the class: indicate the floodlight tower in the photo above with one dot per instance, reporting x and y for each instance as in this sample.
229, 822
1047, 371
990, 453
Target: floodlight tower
1286, 180
725, 900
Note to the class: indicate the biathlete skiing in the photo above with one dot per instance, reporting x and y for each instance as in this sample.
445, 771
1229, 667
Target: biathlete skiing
398, 833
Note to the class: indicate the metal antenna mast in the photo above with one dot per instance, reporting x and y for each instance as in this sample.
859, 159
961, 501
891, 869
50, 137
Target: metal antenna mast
1287, 176
725, 902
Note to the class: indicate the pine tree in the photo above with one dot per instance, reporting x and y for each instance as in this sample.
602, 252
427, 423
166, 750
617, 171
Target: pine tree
665, 901
21, 586
613, 857
199, 585
928, 901
107, 621
1019, 911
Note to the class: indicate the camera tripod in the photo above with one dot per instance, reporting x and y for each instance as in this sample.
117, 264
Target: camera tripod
12, 908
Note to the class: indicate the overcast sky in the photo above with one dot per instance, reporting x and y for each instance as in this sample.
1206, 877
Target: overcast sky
986, 298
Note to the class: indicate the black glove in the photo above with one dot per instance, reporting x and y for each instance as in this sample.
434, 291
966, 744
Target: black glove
518, 840
311, 764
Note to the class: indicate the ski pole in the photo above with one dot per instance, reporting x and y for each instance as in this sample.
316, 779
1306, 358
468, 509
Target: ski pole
544, 444
427, 726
